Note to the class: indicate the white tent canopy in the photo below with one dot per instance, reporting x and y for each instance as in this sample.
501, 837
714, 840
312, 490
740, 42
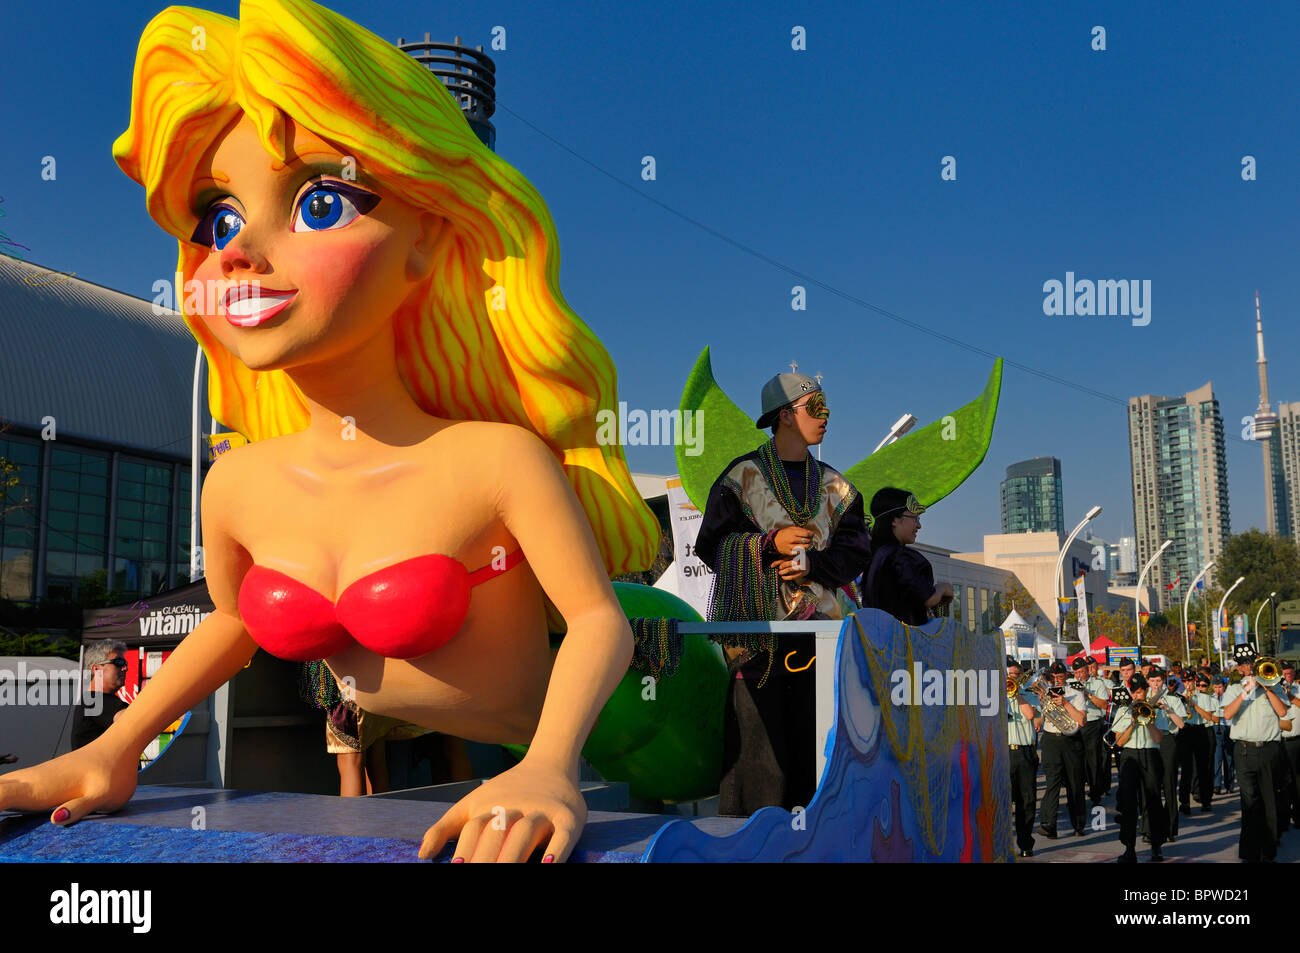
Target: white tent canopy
1015, 623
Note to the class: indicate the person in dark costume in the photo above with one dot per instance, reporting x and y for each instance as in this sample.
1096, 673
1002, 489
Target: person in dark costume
900, 580
783, 533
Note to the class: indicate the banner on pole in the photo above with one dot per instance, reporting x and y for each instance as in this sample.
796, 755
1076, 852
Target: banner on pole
1082, 596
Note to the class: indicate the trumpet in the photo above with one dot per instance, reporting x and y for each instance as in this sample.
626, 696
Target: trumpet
1014, 685
1267, 672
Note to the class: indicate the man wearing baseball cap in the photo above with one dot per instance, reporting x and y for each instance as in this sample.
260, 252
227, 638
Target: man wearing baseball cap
1255, 713
783, 532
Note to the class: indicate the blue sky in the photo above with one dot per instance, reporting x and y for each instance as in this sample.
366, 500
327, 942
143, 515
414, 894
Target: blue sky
1123, 163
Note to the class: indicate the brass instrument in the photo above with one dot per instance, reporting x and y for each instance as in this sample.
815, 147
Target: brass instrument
1053, 706
1267, 672
1143, 714
1014, 685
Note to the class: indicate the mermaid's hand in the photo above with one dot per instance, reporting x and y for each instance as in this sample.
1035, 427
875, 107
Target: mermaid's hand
507, 818
94, 778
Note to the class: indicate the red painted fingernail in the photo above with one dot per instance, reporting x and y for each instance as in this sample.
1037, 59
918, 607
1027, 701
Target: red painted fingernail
548, 859
458, 860
61, 815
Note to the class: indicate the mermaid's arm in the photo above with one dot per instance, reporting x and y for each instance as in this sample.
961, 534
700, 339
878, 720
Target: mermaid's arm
102, 775
538, 800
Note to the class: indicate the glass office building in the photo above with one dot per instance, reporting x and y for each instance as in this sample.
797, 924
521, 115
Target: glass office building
95, 420
1031, 497
1180, 485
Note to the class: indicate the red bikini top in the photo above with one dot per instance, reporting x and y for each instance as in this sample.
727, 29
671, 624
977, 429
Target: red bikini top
405, 610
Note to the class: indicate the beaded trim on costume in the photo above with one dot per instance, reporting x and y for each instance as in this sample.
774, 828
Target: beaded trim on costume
317, 686
744, 592
657, 646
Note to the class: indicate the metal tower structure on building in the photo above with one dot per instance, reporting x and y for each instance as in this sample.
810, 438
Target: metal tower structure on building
469, 75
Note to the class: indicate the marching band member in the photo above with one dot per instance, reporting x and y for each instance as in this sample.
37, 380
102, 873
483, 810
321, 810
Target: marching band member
1170, 718
1023, 723
1255, 713
1062, 756
1291, 745
1096, 756
1202, 716
1224, 774
1126, 672
1139, 772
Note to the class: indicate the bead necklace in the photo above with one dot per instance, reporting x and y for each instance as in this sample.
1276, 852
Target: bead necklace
774, 470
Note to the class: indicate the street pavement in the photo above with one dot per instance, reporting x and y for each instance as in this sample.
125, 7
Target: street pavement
1209, 837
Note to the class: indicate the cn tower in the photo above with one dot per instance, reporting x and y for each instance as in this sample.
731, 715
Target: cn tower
1265, 432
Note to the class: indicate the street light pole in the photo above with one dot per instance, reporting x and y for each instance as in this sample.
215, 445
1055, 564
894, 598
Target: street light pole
901, 426
1091, 515
1187, 639
1266, 602
1137, 594
1219, 620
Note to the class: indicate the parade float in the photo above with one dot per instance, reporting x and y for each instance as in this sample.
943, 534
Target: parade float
467, 352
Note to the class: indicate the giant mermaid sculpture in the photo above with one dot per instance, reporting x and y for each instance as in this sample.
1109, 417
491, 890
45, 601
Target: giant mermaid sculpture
423, 480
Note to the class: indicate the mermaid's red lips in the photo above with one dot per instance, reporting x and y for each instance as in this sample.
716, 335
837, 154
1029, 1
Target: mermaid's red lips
247, 304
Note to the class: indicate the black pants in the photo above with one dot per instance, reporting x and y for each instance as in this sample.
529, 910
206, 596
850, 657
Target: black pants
768, 739
1140, 770
1256, 766
1292, 748
1024, 791
1200, 750
1063, 762
1096, 760
1172, 750
1282, 787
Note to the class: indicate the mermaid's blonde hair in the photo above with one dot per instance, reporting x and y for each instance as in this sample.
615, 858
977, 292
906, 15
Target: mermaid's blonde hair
488, 336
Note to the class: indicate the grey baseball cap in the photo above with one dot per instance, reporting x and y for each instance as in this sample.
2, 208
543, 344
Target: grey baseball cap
782, 390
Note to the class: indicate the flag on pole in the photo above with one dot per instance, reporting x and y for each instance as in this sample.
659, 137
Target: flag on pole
1174, 584
1082, 596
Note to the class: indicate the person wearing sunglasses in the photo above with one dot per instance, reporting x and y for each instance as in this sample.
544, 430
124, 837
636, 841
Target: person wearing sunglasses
105, 669
900, 580
783, 533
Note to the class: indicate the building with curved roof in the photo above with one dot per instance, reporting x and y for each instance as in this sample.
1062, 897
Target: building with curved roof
95, 406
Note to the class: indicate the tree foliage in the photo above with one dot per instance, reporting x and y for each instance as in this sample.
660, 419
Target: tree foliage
1268, 563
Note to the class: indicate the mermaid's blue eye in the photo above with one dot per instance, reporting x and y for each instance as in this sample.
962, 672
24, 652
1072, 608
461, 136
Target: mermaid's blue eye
331, 206
218, 227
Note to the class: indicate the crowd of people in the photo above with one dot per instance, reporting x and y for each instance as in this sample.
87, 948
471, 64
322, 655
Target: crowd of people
1168, 737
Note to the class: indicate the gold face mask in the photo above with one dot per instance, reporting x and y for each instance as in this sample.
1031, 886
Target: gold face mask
815, 406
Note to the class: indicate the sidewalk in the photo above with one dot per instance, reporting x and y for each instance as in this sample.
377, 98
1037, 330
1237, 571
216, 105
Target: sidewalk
1209, 837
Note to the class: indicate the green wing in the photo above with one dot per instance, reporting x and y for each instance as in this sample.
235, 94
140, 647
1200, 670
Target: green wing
725, 432
931, 462
935, 460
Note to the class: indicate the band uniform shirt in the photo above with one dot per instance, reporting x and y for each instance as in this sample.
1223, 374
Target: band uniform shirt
1020, 730
1206, 701
1101, 688
1140, 739
1293, 716
1255, 719
1163, 721
1075, 698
